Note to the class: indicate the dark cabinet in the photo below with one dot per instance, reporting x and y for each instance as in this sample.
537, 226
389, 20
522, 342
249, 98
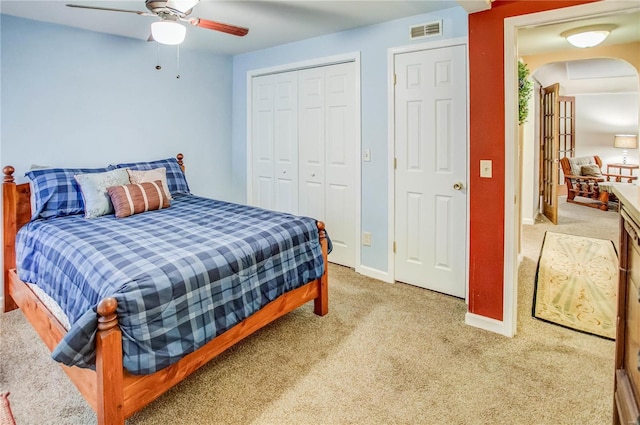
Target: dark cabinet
627, 360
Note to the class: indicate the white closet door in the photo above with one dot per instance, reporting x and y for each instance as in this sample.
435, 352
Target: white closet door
327, 101
262, 185
340, 146
286, 142
274, 142
312, 143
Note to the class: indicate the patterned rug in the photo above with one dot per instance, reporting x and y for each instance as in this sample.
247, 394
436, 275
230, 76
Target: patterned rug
576, 284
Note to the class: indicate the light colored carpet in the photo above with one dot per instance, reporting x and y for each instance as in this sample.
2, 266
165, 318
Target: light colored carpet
576, 285
385, 354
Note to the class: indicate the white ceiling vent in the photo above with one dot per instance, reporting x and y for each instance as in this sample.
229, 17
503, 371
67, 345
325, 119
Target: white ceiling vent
426, 30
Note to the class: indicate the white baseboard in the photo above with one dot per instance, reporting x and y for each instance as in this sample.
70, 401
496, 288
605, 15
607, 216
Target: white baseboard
486, 323
374, 273
529, 221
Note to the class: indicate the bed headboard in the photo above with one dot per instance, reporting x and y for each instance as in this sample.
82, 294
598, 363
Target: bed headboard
16, 212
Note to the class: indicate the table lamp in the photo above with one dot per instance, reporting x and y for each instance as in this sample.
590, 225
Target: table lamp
625, 141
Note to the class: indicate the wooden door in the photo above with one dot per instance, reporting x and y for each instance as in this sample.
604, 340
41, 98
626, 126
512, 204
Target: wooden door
566, 135
549, 147
431, 173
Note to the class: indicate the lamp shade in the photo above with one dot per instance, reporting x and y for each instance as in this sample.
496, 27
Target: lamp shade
588, 36
625, 141
168, 32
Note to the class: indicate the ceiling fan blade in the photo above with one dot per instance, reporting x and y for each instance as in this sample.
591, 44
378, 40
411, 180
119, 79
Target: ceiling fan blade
219, 26
137, 12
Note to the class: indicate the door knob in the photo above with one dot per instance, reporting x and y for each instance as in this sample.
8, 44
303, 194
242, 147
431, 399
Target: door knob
458, 186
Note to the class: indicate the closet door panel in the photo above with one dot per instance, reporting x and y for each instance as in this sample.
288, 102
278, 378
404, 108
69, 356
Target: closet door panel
286, 142
340, 157
311, 131
262, 185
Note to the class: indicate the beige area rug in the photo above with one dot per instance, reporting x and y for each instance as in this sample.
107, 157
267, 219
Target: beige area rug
576, 284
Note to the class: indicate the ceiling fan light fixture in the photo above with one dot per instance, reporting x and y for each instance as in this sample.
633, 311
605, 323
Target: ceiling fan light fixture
588, 36
168, 32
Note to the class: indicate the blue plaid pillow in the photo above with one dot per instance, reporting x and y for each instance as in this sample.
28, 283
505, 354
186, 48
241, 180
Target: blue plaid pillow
176, 180
55, 191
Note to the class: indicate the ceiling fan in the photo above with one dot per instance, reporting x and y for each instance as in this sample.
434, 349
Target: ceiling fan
168, 30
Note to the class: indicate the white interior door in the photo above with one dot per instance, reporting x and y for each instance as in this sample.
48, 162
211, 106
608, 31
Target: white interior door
327, 101
286, 142
263, 163
304, 149
431, 172
275, 142
311, 129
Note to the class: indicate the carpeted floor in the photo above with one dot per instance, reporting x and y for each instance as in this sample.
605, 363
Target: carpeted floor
385, 354
577, 283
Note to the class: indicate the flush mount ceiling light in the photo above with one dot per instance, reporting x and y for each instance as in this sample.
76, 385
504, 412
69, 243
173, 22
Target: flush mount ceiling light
588, 36
168, 32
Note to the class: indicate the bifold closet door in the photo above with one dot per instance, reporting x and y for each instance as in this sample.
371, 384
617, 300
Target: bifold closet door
327, 151
275, 142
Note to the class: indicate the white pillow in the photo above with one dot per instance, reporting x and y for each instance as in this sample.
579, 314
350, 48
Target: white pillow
144, 176
94, 190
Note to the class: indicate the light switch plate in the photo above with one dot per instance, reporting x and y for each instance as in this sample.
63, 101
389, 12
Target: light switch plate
367, 155
486, 168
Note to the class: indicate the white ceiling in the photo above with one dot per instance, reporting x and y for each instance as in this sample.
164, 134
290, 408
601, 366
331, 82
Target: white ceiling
270, 23
588, 76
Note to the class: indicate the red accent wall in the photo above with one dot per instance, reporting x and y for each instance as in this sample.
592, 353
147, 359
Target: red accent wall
486, 85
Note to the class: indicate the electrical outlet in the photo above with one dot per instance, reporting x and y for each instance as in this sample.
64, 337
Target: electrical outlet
366, 238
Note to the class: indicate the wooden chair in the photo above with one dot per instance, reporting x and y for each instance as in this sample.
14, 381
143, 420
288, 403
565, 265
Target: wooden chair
584, 178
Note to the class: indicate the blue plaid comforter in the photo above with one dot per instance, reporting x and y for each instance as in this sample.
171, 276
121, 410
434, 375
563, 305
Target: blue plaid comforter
181, 275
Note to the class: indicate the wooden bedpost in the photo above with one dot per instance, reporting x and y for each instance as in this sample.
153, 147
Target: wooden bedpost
109, 368
9, 222
321, 303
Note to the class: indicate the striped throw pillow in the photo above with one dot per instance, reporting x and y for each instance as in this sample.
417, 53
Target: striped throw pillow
132, 199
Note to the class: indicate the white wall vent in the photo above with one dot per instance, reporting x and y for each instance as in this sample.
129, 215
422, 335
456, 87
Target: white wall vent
426, 30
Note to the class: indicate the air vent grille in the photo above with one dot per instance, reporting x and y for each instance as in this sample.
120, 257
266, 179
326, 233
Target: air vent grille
426, 30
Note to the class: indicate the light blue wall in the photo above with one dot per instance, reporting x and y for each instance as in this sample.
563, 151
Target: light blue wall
72, 97
373, 43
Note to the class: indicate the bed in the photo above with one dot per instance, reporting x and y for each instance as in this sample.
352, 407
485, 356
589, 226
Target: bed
116, 370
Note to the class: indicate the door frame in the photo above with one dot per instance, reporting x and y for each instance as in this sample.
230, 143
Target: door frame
512, 189
391, 52
296, 66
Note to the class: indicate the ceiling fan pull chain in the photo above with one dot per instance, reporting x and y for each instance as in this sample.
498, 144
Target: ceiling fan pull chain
158, 67
178, 62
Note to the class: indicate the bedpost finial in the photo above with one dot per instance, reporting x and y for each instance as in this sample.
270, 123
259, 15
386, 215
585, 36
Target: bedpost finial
107, 312
179, 157
8, 174
321, 231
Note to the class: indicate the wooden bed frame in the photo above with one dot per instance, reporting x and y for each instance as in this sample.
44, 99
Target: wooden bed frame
112, 392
